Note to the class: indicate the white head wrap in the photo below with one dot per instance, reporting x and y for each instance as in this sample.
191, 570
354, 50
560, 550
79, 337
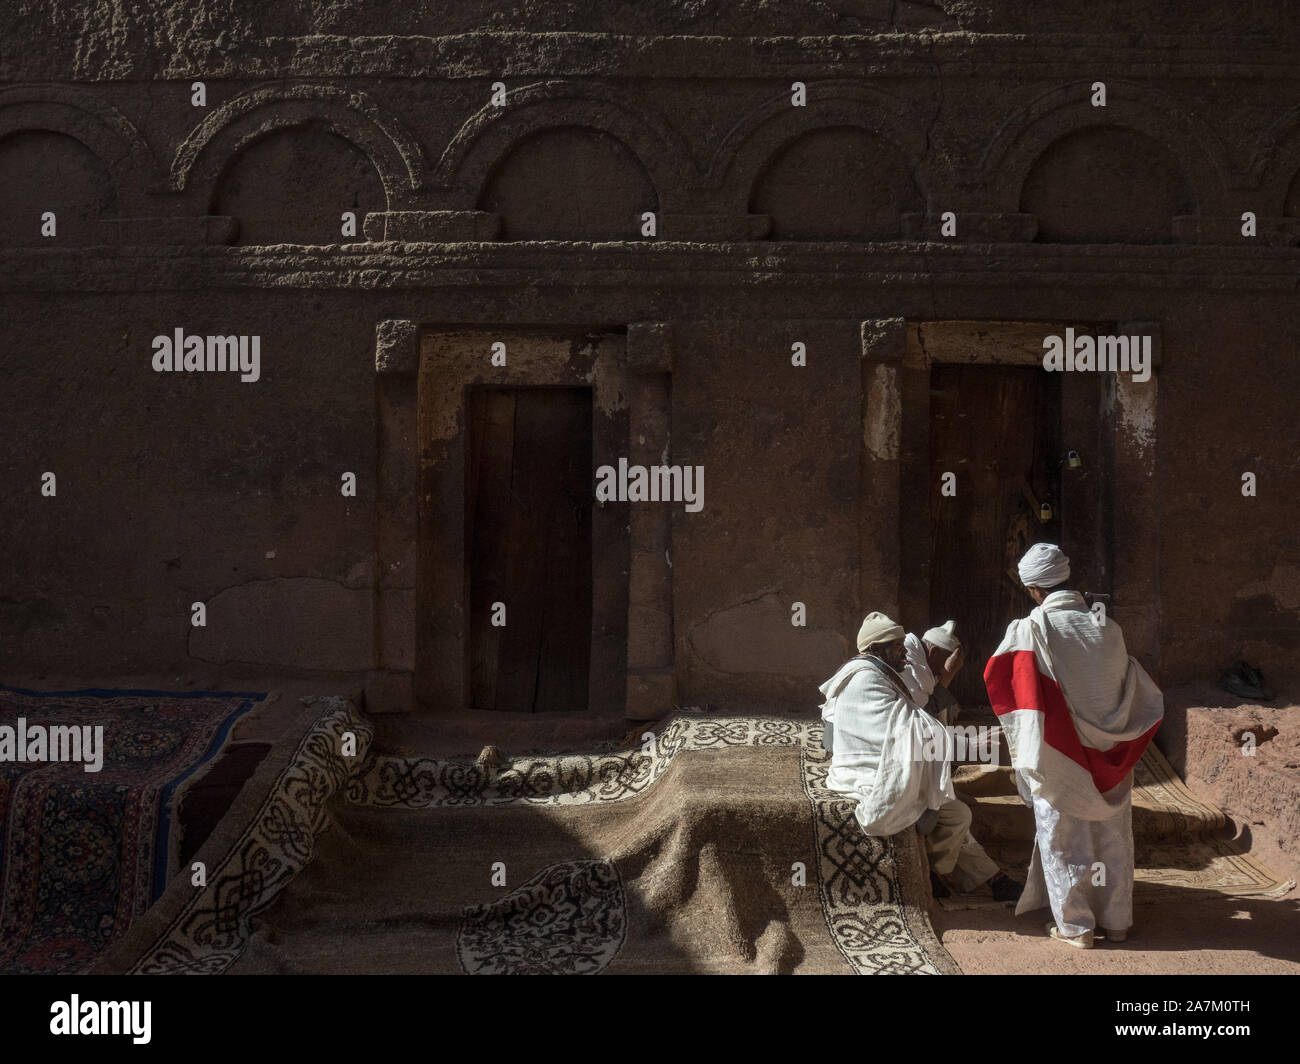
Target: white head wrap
877, 628
942, 636
1044, 565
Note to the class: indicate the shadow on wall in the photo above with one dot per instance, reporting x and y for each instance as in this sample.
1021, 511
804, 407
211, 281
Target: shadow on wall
569, 183
43, 172
835, 184
1105, 185
294, 186
1100, 184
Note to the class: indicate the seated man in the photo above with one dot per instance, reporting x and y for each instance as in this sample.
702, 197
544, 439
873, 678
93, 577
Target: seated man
929, 665
879, 733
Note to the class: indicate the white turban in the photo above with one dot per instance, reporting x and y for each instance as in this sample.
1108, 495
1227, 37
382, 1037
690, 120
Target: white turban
942, 636
877, 628
1044, 565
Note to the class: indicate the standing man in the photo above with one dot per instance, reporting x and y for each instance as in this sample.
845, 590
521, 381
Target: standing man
1077, 712
879, 733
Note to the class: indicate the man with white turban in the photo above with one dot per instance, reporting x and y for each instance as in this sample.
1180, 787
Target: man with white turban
877, 756
929, 665
1077, 712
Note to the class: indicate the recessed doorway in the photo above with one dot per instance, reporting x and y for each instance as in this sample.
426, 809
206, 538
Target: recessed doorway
998, 429
528, 525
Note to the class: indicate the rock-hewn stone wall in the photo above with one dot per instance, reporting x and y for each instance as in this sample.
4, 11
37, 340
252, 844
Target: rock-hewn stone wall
774, 223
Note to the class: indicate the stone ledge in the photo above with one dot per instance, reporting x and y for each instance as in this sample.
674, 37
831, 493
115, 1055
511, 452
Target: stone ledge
149, 232
668, 54
648, 265
431, 226
973, 227
1226, 230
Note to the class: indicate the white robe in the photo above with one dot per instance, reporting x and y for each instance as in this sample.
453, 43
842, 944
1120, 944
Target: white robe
916, 672
1082, 864
1082, 869
920, 680
879, 738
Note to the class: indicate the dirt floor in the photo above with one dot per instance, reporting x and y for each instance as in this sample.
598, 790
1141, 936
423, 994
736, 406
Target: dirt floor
1195, 931
1203, 934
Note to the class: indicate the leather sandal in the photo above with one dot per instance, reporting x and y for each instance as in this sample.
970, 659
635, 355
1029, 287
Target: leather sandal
1083, 941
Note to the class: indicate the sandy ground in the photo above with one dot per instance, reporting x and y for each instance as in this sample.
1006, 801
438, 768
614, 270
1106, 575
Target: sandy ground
1204, 934
1198, 932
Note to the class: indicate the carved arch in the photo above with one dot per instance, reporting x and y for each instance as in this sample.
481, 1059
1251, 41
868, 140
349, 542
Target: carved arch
488, 136
761, 134
1021, 141
99, 127
1275, 166
354, 116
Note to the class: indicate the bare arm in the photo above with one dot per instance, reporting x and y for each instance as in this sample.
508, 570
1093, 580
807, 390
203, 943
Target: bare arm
953, 665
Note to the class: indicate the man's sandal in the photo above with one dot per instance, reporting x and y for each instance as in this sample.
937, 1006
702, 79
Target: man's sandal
1083, 941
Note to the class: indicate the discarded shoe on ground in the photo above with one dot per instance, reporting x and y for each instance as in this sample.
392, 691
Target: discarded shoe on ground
1005, 888
1245, 681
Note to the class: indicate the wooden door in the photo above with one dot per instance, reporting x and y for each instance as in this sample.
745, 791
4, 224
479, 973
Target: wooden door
998, 429
528, 538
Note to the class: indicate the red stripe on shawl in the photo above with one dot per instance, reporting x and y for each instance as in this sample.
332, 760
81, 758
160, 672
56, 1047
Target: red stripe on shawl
1014, 682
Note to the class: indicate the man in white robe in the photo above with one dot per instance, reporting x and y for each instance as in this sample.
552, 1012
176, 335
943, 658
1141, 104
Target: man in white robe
879, 756
929, 665
1077, 712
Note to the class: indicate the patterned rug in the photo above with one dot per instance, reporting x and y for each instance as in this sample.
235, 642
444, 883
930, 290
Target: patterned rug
82, 854
719, 850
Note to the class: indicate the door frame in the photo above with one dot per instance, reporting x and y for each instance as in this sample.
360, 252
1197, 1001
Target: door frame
420, 583
969, 439
452, 360
1121, 415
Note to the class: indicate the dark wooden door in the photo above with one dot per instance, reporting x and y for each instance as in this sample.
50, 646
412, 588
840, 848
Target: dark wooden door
998, 429
528, 539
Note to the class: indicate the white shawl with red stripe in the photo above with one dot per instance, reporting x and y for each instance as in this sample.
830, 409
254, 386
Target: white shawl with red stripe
1077, 711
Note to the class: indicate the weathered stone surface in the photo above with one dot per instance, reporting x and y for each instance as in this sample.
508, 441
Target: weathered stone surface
297, 622
757, 638
651, 693
173, 485
390, 691
781, 505
86, 39
438, 227
1260, 791
213, 229
397, 347
650, 347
